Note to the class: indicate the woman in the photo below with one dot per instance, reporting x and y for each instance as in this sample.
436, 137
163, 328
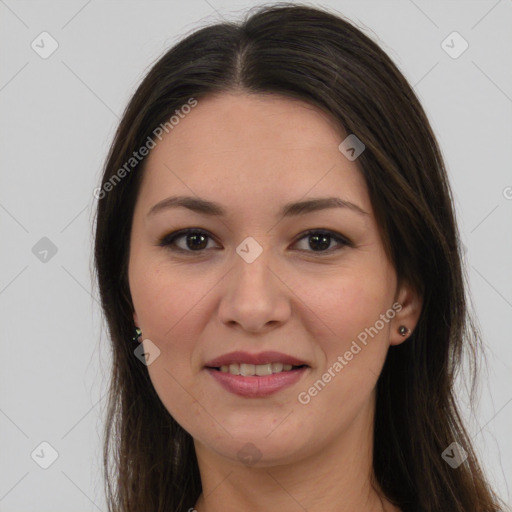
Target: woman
275, 232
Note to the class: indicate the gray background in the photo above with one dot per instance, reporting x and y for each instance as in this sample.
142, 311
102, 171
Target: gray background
58, 117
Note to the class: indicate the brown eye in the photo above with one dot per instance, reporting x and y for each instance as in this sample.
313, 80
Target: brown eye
194, 240
319, 241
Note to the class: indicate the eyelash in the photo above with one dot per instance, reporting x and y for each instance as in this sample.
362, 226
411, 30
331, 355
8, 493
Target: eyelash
168, 241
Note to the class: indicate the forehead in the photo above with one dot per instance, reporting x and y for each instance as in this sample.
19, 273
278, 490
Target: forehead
260, 146
243, 122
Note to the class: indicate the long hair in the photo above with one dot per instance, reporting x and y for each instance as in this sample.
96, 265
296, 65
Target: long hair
318, 57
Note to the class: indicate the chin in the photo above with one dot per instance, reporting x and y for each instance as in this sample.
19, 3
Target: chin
257, 450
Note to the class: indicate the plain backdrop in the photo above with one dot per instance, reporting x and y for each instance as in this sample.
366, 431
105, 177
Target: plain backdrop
58, 117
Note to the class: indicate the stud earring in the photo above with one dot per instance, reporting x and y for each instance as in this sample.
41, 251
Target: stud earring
138, 334
403, 330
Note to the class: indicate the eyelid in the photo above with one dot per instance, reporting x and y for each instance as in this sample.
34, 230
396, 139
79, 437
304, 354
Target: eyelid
168, 240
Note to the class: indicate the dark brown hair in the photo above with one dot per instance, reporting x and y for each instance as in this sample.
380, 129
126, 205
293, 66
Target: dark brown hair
320, 58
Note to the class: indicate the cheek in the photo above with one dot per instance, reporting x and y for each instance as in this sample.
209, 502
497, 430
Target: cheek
166, 299
171, 313
342, 305
344, 318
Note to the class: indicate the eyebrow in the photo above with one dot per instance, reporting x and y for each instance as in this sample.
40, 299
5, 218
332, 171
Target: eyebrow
205, 207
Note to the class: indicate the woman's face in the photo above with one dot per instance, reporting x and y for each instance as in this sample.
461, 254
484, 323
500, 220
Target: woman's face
253, 280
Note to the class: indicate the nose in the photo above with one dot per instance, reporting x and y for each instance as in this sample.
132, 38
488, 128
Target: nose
255, 297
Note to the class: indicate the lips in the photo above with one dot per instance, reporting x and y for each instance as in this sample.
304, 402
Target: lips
241, 357
256, 386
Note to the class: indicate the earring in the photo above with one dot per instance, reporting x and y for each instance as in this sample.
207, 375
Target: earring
138, 334
403, 330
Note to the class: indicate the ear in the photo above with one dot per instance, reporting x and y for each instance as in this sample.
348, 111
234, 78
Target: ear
408, 305
135, 319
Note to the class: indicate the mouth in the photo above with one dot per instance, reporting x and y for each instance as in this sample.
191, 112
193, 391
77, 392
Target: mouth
259, 370
256, 375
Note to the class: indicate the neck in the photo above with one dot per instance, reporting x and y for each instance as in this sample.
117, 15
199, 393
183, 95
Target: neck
336, 478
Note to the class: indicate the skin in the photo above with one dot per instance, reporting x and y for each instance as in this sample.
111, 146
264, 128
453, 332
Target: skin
254, 153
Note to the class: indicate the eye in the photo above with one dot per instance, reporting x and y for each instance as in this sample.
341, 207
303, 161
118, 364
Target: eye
320, 240
196, 241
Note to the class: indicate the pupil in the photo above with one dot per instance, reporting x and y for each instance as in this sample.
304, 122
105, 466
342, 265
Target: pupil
323, 240
197, 238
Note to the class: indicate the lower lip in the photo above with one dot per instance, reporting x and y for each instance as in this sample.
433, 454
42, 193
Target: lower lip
257, 386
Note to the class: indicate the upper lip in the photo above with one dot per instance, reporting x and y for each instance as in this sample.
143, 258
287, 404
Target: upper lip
260, 358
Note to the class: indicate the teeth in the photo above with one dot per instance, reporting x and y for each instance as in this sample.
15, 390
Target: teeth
260, 369
255, 369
